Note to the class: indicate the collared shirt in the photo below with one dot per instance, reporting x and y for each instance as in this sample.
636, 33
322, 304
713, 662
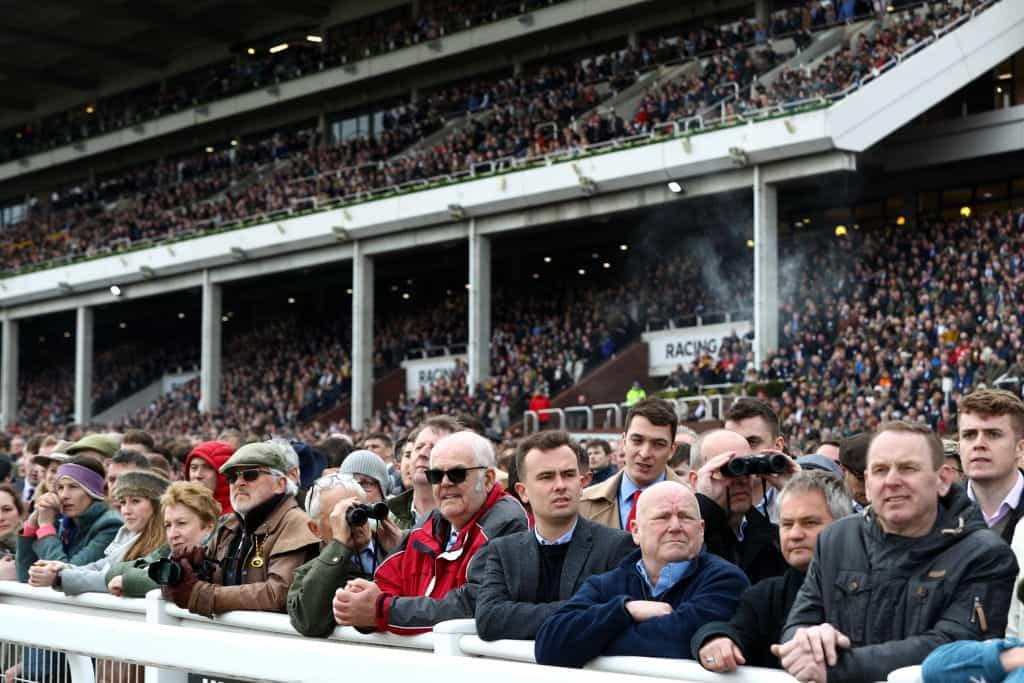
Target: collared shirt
670, 575
452, 537
742, 529
365, 560
1009, 503
562, 540
626, 490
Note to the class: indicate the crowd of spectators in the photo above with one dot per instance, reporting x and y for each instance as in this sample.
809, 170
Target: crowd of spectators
344, 43
897, 324
548, 108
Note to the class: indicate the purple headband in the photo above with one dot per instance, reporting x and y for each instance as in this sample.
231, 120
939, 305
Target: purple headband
90, 482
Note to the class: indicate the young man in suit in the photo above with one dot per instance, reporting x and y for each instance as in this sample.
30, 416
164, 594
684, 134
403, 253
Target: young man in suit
529, 575
647, 442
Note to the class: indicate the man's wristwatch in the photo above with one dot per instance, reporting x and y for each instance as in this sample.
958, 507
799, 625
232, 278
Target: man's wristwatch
57, 580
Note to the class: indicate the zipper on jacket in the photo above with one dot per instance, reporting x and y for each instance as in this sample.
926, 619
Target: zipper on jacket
978, 615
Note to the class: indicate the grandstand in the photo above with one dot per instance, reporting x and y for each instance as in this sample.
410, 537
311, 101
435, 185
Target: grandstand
447, 206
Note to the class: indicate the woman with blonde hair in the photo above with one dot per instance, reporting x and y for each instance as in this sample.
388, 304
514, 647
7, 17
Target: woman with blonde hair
189, 514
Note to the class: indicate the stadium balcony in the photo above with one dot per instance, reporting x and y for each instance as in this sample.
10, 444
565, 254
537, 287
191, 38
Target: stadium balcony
358, 71
705, 154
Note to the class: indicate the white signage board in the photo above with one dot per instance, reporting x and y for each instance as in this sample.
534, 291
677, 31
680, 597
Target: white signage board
423, 372
668, 349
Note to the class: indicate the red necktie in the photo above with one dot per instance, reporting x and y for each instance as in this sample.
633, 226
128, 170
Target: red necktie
632, 511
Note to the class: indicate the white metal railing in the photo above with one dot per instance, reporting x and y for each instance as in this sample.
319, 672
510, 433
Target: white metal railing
263, 646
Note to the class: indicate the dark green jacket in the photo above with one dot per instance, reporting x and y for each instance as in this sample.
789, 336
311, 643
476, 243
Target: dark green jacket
96, 528
315, 583
401, 509
135, 581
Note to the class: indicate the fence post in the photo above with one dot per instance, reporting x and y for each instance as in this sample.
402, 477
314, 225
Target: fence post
448, 635
156, 613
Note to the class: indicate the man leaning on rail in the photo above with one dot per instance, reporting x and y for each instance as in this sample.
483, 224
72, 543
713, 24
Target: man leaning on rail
529, 575
655, 600
425, 581
918, 569
252, 557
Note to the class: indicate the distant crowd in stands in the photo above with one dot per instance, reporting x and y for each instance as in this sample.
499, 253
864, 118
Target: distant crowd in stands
898, 324
550, 107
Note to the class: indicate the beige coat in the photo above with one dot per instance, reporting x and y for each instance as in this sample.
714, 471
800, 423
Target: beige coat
600, 502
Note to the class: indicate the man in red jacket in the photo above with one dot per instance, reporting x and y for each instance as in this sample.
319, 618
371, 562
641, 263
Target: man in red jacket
426, 580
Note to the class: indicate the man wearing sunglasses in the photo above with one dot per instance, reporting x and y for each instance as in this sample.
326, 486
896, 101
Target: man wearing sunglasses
426, 580
255, 551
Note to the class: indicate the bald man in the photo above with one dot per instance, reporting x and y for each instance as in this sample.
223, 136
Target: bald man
653, 603
735, 529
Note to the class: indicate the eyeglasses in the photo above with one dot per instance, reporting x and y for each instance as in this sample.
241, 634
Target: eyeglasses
456, 475
249, 475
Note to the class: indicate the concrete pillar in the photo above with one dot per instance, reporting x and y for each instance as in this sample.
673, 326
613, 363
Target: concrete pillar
83, 364
210, 360
631, 39
362, 336
321, 128
766, 267
762, 11
9, 373
479, 348
517, 68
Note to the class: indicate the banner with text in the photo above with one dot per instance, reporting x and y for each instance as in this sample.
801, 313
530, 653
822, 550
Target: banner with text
668, 349
423, 372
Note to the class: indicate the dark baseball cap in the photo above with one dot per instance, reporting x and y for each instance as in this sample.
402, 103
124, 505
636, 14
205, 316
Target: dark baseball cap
853, 453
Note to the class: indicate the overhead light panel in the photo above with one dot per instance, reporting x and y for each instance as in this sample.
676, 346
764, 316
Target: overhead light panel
115, 290
675, 187
280, 47
314, 38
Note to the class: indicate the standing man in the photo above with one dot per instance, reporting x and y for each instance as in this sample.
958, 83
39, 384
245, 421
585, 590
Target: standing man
809, 503
382, 445
735, 529
647, 444
755, 421
853, 456
991, 430
257, 549
918, 569
599, 453
348, 551
412, 506
655, 600
529, 575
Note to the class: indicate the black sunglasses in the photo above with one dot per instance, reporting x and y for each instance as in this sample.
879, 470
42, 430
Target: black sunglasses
456, 475
249, 475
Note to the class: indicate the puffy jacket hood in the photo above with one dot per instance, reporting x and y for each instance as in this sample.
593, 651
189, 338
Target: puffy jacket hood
215, 454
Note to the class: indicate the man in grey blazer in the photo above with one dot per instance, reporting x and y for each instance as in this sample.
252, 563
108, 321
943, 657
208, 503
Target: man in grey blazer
528, 575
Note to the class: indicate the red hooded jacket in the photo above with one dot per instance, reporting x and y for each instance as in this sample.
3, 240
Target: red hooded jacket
215, 454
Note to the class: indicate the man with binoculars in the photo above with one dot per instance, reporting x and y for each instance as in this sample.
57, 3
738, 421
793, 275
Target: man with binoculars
722, 473
355, 537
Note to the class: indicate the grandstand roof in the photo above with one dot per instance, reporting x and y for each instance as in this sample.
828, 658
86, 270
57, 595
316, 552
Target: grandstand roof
53, 49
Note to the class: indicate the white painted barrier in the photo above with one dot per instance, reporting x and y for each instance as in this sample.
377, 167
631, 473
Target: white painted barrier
169, 641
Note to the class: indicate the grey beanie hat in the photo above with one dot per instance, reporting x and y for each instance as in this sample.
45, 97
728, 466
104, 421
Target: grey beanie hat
368, 464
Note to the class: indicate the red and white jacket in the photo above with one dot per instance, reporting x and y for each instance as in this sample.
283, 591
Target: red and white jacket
421, 584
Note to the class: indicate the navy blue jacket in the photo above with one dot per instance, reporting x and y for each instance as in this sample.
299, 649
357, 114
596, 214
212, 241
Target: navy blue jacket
595, 622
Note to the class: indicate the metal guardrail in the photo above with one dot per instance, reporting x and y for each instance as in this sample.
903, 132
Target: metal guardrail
263, 646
